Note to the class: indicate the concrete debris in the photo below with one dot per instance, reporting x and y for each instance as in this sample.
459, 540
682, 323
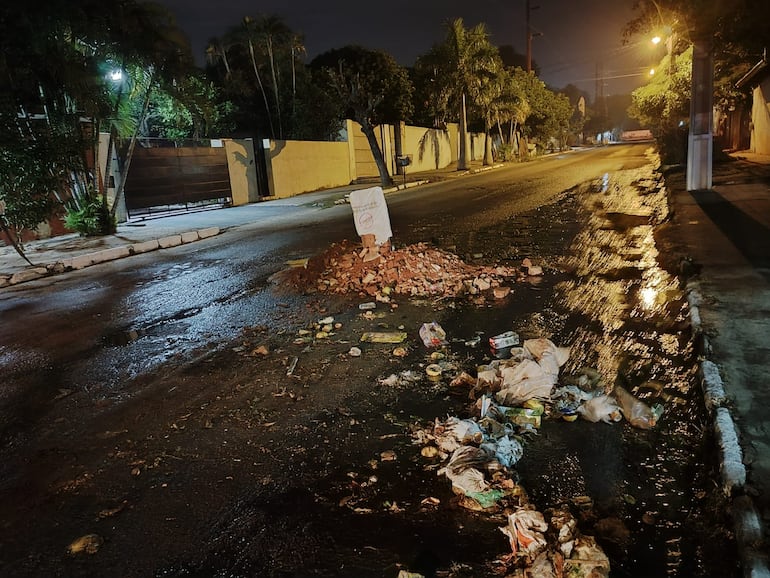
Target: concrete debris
417, 270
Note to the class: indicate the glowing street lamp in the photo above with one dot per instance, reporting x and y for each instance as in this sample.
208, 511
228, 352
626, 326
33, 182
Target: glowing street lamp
116, 75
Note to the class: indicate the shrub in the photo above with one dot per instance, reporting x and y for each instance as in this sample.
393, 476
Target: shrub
89, 217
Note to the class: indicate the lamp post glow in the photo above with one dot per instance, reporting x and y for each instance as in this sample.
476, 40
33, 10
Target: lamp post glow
116, 75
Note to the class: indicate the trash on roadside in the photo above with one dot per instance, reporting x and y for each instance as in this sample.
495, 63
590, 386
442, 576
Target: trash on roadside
298, 263
292, 366
383, 337
473, 341
405, 378
530, 269
464, 470
463, 378
531, 371
407, 574
367, 306
636, 412
525, 531
507, 450
433, 371
600, 408
432, 334
400, 352
354, 352
503, 340
89, 544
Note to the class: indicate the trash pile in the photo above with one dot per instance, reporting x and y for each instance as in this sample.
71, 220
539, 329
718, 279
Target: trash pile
417, 270
510, 398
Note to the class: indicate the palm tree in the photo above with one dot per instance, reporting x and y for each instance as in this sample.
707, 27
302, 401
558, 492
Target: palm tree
471, 56
275, 36
250, 33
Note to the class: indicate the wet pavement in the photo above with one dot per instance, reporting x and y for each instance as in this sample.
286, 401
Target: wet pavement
726, 271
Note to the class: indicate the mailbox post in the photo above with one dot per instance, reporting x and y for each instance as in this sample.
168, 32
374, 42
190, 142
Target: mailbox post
403, 161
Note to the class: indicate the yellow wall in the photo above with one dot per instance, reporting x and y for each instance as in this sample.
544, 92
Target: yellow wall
243, 177
295, 167
760, 116
430, 148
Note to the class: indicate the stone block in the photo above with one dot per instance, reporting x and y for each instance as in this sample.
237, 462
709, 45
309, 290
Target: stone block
28, 275
145, 247
80, 262
206, 233
170, 241
190, 237
110, 254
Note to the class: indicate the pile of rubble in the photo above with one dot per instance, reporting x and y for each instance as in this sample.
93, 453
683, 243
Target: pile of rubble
417, 270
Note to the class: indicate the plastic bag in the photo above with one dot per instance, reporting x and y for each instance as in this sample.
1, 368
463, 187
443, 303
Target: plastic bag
432, 334
600, 408
638, 413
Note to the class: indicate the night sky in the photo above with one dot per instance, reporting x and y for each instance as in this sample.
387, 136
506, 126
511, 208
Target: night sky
578, 38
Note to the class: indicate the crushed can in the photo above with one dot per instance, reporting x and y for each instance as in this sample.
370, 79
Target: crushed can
507, 339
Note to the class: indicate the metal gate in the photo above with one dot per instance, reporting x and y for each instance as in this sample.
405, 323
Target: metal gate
176, 179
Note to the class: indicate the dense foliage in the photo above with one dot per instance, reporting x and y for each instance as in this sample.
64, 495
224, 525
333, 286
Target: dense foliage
736, 34
59, 94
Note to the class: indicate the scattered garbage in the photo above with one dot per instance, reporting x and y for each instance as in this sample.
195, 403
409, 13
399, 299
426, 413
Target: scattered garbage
383, 337
297, 263
432, 334
525, 532
600, 408
292, 366
433, 371
354, 352
88, 544
638, 413
503, 340
367, 306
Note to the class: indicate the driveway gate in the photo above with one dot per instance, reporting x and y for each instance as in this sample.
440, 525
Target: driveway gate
171, 179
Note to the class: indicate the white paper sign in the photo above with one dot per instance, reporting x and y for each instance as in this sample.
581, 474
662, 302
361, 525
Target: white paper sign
370, 214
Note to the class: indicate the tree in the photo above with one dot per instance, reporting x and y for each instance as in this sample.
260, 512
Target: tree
663, 105
56, 95
193, 108
469, 59
372, 89
736, 32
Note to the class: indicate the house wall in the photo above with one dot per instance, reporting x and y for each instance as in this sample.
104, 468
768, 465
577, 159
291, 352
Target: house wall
760, 116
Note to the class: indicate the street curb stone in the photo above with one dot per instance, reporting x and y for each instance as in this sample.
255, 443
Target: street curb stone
189, 237
145, 247
170, 241
105, 255
746, 521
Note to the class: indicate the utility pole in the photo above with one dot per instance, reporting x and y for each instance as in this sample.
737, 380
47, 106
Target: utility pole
700, 139
528, 8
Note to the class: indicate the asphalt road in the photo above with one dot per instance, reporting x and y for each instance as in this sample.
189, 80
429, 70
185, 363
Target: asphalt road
125, 411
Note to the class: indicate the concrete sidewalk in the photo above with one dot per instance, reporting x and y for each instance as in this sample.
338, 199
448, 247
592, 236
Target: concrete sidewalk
72, 252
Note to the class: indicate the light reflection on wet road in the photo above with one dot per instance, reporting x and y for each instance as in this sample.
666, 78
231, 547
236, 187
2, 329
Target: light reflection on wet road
588, 217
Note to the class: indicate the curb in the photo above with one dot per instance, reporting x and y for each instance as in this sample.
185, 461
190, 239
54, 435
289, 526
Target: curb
105, 255
747, 523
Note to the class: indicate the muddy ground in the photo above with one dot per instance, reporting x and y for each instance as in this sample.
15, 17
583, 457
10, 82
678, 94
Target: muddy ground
239, 463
